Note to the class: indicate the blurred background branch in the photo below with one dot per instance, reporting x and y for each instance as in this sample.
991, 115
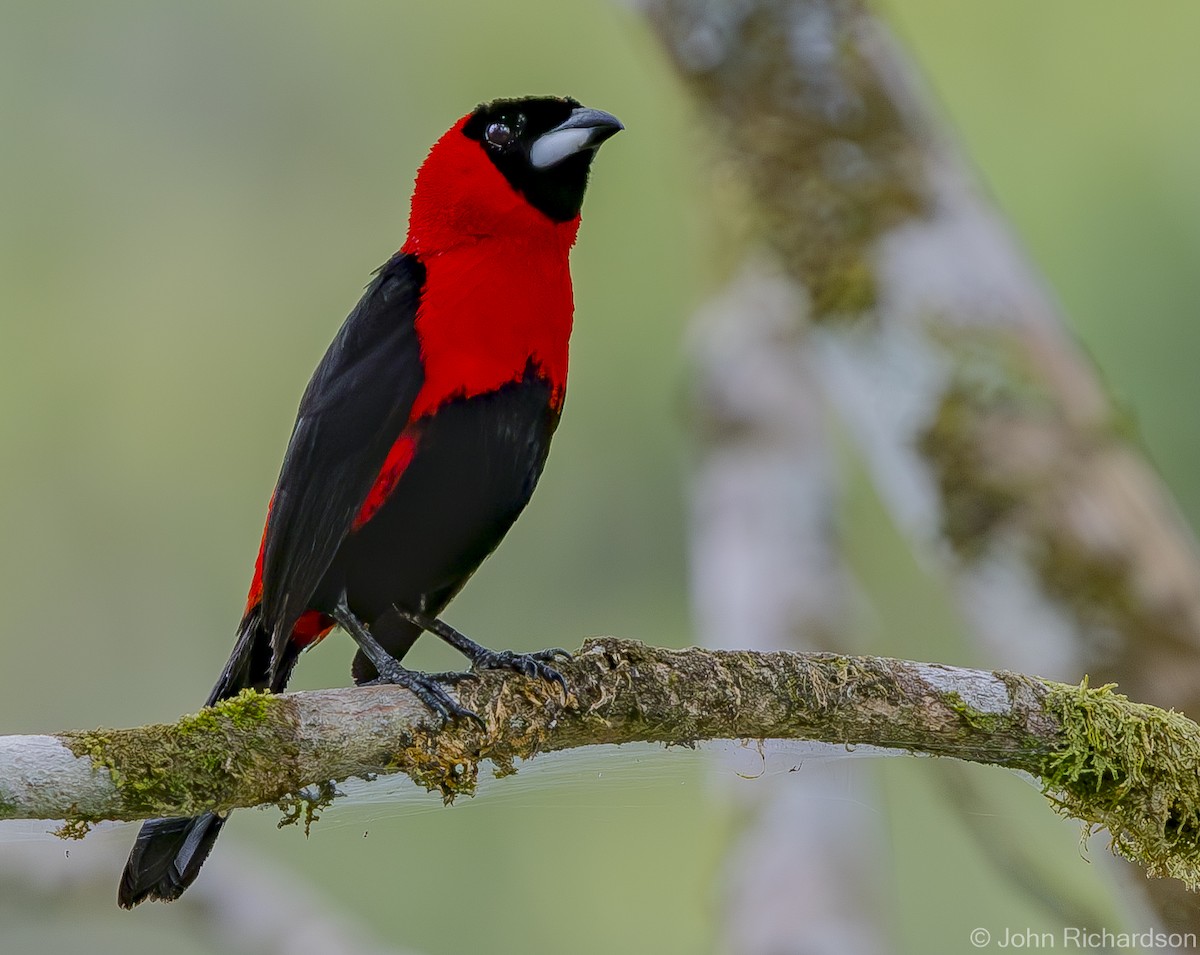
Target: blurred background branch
911, 311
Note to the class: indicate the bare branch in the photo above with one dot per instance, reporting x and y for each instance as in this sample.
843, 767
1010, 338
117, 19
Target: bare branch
1128, 767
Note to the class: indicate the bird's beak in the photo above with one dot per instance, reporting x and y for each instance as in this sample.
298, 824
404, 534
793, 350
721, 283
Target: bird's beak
583, 129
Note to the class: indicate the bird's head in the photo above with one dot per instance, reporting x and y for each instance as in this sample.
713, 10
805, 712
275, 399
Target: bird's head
511, 167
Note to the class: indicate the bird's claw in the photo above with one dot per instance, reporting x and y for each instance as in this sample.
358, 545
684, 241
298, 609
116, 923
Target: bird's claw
428, 690
527, 664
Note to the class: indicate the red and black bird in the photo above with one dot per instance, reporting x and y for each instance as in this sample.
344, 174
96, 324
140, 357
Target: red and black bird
422, 433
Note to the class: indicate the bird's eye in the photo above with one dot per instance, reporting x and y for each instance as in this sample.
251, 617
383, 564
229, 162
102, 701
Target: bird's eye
499, 134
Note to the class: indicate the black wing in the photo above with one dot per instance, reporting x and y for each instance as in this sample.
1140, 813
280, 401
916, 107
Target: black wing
354, 408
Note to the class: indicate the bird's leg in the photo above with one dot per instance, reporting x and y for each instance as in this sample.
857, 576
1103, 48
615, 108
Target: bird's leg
530, 664
425, 687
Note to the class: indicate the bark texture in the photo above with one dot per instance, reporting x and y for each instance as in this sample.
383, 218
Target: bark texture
1126, 766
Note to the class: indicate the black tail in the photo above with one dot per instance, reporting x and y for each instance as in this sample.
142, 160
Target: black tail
167, 857
168, 853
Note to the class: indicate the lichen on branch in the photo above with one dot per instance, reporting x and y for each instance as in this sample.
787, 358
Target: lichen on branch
1131, 768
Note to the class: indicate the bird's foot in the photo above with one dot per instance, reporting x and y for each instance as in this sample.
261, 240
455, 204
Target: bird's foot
453, 677
428, 690
425, 687
529, 664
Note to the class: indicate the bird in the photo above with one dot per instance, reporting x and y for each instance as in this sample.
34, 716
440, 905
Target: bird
422, 432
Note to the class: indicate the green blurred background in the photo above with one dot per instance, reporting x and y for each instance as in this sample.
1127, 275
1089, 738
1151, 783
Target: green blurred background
191, 196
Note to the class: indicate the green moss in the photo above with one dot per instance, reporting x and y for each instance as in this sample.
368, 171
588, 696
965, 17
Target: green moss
196, 764
1133, 770
995, 367
448, 763
994, 390
244, 711
975, 502
843, 289
75, 828
972, 717
307, 805
830, 680
997, 405
1099, 590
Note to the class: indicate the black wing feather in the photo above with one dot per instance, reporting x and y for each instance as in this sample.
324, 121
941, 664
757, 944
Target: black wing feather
354, 408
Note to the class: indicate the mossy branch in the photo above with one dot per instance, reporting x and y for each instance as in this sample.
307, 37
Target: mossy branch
1130, 768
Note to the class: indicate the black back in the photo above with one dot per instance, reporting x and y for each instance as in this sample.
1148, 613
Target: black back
352, 412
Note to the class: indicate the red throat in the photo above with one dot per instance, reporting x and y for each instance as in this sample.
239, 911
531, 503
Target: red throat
497, 296
460, 198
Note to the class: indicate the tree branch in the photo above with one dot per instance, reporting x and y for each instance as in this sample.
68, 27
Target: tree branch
1128, 767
